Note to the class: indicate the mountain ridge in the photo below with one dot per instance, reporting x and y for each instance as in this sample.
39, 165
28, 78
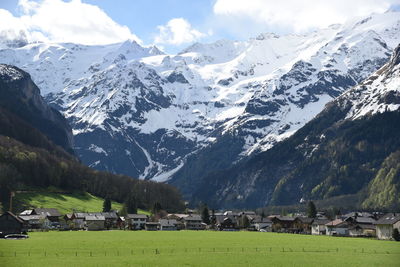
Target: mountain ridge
336, 153
138, 112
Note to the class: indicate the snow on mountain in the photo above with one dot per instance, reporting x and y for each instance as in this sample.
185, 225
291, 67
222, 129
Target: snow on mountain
137, 111
379, 93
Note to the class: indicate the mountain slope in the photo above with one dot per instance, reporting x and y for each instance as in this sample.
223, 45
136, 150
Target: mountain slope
20, 96
137, 111
30, 160
348, 148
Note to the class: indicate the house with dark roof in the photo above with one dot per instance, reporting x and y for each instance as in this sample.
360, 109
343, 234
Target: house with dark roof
51, 214
337, 227
168, 225
136, 221
386, 224
152, 226
10, 224
194, 222
303, 225
95, 222
318, 227
260, 223
111, 219
227, 224
361, 226
283, 224
36, 221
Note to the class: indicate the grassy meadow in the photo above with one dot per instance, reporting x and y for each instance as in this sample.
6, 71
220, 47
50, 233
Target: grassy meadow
195, 248
65, 202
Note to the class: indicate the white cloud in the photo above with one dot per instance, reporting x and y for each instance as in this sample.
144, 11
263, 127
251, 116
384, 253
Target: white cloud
298, 15
176, 32
59, 21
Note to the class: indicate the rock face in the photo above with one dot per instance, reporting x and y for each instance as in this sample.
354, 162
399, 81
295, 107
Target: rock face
137, 111
345, 150
19, 95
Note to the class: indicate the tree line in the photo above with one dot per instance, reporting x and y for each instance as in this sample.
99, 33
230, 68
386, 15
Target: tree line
24, 166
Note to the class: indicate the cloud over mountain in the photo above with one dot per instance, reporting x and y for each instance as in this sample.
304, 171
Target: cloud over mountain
59, 21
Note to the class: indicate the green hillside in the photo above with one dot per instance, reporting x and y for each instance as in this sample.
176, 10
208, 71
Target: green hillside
64, 202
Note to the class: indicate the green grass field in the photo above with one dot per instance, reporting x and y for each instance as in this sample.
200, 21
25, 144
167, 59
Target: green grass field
66, 203
191, 248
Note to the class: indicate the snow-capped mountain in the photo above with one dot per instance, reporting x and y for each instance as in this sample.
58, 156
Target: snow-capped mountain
350, 149
21, 104
137, 111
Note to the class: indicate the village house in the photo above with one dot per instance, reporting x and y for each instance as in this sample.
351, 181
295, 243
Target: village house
152, 226
78, 220
53, 215
36, 221
260, 223
337, 227
386, 224
180, 222
283, 224
10, 224
121, 222
168, 225
136, 221
318, 227
361, 226
303, 225
95, 222
362, 230
227, 224
194, 222
111, 218
247, 216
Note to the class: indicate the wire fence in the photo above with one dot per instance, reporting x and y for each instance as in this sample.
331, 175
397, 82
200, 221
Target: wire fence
171, 251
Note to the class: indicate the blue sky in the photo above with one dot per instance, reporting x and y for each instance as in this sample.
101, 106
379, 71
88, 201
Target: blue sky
173, 24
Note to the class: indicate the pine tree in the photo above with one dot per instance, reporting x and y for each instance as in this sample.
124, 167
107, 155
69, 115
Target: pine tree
131, 204
156, 208
213, 218
123, 211
107, 204
311, 210
205, 215
262, 214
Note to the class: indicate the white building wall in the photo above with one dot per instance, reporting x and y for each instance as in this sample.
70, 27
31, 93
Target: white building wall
384, 231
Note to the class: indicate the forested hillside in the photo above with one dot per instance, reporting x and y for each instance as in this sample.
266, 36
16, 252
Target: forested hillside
29, 158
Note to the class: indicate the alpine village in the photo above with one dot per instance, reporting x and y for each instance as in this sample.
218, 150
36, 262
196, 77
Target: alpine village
277, 150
